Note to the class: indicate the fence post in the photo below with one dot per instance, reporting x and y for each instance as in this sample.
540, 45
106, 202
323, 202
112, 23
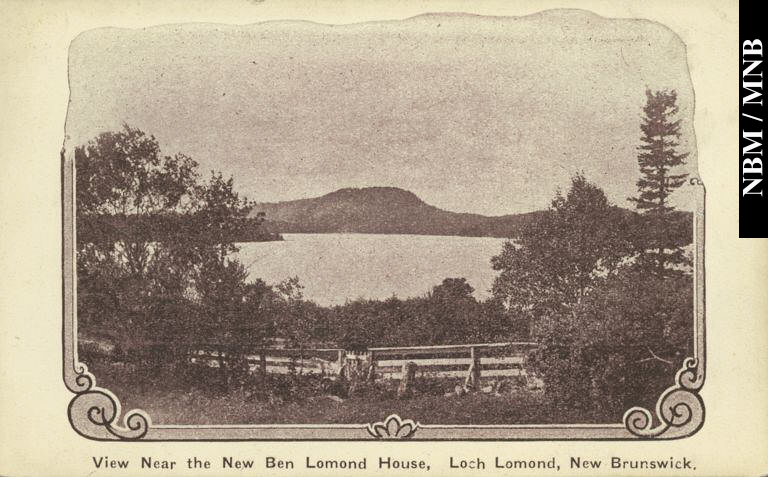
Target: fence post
405, 389
473, 376
372, 367
341, 362
223, 368
524, 368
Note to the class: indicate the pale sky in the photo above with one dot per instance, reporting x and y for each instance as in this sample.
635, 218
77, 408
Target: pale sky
473, 114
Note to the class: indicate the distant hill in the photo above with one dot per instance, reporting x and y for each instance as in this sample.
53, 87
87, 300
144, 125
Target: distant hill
383, 210
390, 210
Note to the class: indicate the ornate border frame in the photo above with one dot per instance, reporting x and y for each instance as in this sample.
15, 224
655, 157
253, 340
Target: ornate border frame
96, 413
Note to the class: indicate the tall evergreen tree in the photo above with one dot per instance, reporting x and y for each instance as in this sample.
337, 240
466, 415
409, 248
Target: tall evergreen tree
658, 157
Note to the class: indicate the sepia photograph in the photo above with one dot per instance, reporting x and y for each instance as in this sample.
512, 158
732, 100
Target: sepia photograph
445, 226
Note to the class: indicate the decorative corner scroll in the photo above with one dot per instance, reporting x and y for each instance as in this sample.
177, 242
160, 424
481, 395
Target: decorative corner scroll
393, 427
679, 410
95, 412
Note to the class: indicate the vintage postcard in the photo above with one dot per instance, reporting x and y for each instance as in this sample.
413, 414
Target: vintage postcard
449, 226
476, 230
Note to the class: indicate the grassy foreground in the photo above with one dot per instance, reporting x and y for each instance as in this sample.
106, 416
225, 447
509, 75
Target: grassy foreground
170, 399
237, 407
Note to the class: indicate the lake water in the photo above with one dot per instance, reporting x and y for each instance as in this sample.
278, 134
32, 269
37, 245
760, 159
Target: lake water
334, 268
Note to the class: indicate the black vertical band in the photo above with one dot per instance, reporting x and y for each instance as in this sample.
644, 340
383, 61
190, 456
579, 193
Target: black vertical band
753, 212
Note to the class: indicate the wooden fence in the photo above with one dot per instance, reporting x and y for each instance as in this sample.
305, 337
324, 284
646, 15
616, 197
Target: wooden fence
281, 361
472, 362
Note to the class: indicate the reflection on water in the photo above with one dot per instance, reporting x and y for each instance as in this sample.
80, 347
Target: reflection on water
336, 267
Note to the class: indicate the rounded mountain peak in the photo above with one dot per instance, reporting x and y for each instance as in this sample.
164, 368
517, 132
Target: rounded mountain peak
375, 194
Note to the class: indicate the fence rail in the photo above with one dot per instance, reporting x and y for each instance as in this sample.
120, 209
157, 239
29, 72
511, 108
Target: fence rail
277, 361
473, 362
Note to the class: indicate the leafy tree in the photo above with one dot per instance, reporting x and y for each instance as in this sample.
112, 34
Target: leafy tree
221, 213
230, 317
607, 334
123, 174
140, 206
452, 290
153, 246
621, 346
558, 260
658, 156
454, 314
